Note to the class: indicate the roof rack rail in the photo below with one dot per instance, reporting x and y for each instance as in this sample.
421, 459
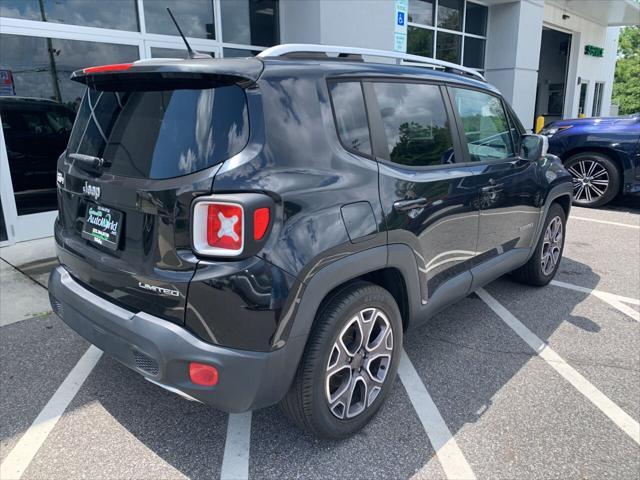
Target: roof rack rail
414, 60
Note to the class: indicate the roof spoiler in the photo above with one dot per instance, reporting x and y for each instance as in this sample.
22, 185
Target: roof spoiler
163, 73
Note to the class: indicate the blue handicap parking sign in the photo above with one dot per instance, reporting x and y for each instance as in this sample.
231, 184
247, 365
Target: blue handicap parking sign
400, 18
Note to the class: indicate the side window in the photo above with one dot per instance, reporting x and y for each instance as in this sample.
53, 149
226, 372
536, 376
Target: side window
415, 123
485, 125
351, 116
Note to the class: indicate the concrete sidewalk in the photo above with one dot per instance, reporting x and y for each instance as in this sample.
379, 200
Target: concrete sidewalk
24, 271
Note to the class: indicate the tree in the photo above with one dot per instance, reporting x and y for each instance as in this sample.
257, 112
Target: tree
626, 85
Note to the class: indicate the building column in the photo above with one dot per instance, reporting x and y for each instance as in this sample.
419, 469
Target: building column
353, 23
513, 53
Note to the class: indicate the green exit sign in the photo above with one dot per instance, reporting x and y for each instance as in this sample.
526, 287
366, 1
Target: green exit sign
593, 51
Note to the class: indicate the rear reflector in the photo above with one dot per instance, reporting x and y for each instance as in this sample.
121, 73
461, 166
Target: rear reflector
260, 223
116, 67
224, 226
202, 374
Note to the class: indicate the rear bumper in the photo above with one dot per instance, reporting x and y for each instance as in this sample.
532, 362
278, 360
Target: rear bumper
161, 350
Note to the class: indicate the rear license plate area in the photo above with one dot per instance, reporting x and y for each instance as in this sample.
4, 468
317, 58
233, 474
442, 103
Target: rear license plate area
102, 226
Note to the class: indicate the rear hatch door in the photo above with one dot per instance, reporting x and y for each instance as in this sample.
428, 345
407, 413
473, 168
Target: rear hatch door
139, 152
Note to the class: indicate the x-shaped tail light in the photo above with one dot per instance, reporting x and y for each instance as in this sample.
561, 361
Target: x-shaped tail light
230, 228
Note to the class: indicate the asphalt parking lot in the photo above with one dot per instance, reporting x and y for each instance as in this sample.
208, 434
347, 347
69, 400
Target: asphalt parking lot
512, 382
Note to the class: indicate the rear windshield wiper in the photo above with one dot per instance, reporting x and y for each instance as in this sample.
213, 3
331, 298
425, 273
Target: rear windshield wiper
87, 162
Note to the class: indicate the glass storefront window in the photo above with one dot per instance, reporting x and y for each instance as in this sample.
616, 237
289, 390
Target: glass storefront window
476, 19
250, 22
36, 129
421, 11
450, 14
161, 52
195, 17
41, 67
420, 41
473, 52
34, 66
158, 52
449, 17
239, 53
583, 98
116, 14
448, 47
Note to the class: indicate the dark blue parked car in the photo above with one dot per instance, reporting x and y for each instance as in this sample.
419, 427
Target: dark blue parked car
602, 155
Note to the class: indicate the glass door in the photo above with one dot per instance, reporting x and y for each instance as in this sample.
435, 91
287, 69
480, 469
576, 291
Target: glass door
596, 111
583, 99
38, 104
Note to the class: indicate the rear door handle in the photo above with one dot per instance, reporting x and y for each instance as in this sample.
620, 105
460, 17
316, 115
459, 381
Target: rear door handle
413, 204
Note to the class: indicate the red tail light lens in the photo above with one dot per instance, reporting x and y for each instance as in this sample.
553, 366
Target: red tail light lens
224, 226
203, 374
116, 67
260, 223
230, 224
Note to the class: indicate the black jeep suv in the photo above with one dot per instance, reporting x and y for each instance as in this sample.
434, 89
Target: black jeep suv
252, 231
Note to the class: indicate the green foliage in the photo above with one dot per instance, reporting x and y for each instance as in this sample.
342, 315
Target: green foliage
626, 86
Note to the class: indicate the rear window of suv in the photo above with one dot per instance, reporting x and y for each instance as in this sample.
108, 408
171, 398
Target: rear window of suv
161, 134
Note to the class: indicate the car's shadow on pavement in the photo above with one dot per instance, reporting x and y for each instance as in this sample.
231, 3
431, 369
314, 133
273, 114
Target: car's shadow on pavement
465, 355
627, 203
188, 435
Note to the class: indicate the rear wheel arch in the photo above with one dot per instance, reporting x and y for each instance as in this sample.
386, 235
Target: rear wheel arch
607, 152
399, 277
565, 202
389, 278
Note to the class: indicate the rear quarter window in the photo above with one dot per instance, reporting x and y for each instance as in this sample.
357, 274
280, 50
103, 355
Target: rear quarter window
351, 116
161, 134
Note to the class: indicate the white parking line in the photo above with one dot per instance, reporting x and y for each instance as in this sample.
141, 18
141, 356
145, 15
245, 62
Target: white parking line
20, 457
616, 301
606, 222
623, 308
595, 396
235, 461
449, 454
578, 288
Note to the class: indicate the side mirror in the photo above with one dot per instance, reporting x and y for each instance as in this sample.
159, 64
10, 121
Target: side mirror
533, 147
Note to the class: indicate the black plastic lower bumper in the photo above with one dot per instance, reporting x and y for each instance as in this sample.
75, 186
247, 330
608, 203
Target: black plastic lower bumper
161, 350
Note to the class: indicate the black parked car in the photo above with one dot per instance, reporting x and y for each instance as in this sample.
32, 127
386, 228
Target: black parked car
36, 132
601, 154
262, 230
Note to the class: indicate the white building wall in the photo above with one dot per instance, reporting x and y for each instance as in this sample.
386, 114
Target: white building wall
354, 23
300, 21
358, 23
587, 68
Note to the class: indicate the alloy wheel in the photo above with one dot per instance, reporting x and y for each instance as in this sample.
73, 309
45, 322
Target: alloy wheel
358, 363
552, 246
590, 181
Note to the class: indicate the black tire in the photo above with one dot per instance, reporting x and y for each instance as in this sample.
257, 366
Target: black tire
307, 402
533, 272
586, 193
